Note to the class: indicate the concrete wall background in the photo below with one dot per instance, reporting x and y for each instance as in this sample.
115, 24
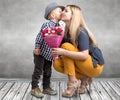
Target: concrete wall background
20, 21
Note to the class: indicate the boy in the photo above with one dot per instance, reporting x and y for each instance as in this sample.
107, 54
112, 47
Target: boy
43, 53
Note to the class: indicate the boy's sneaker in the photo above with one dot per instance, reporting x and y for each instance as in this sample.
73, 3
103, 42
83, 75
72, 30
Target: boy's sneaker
37, 93
49, 91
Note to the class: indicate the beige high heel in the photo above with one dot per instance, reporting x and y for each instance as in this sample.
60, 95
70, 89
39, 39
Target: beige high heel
69, 93
89, 83
84, 82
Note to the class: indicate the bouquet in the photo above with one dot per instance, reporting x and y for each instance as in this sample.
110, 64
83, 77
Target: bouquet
53, 37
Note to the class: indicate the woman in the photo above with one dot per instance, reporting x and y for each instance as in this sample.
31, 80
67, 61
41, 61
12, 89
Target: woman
75, 59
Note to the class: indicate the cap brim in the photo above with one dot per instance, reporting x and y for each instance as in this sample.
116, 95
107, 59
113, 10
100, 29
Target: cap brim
62, 7
46, 15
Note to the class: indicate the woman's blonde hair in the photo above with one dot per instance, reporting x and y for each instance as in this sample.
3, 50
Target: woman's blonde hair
78, 22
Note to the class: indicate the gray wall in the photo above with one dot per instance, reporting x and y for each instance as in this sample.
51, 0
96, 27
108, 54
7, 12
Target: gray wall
20, 21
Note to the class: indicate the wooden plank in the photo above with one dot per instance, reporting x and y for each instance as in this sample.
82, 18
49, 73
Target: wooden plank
55, 86
23, 89
75, 97
27, 95
102, 89
63, 86
20, 92
34, 98
118, 83
85, 96
118, 80
109, 90
115, 87
5, 89
94, 95
103, 94
2, 85
10, 95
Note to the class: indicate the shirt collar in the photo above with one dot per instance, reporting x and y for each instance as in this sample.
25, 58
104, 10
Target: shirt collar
53, 22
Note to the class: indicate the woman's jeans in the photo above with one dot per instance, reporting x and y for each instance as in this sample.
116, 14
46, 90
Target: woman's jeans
78, 68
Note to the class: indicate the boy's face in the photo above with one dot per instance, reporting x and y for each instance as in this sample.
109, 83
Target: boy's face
56, 13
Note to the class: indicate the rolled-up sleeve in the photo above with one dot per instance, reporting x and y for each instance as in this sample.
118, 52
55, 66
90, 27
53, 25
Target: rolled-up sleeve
38, 41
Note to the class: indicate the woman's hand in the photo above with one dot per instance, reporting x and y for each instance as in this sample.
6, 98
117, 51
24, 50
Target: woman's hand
83, 55
58, 51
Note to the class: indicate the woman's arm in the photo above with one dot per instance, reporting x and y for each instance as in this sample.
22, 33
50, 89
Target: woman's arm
83, 46
74, 55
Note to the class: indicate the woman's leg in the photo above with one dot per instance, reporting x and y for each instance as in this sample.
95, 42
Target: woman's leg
69, 69
87, 69
84, 70
66, 65
58, 65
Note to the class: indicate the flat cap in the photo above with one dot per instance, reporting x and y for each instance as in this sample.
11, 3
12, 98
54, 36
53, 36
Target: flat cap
51, 7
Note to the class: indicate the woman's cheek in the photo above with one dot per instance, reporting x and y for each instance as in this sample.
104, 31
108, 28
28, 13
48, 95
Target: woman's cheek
63, 17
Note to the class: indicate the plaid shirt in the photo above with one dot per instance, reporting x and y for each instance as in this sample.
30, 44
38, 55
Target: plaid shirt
46, 51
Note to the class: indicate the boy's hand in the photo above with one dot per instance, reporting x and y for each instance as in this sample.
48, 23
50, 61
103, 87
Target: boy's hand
37, 51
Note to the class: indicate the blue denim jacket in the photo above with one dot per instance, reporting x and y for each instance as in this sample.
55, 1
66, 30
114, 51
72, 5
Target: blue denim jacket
97, 56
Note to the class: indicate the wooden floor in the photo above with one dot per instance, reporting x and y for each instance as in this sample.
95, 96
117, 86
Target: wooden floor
102, 89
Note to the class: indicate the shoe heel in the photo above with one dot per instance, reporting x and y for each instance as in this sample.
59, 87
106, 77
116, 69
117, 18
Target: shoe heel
77, 90
89, 83
90, 90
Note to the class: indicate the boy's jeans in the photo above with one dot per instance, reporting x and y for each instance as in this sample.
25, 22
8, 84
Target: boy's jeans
42, 67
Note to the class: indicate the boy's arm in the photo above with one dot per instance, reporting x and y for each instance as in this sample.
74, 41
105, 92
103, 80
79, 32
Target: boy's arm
39, 40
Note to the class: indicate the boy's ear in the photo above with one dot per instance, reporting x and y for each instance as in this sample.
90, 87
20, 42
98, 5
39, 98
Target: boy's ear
49, 16
52, 15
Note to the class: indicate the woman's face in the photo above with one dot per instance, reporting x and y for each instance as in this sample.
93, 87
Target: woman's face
66, 14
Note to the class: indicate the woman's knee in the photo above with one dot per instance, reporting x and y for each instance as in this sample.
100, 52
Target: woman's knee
99, 71
68, 46
96, 72
57, 66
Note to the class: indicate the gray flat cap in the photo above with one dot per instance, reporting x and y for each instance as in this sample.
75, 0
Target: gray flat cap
51, 7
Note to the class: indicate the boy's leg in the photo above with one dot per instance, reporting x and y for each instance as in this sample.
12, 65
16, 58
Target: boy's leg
46, 78
38, 62
47, 74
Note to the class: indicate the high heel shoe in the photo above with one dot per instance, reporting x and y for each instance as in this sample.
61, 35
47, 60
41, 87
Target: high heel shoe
89, 83
71, 89
84, 82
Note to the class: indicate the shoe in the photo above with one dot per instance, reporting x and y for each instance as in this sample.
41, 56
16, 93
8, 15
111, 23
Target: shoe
89, 83
71, 89
37, 93
84, 82
49, 91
